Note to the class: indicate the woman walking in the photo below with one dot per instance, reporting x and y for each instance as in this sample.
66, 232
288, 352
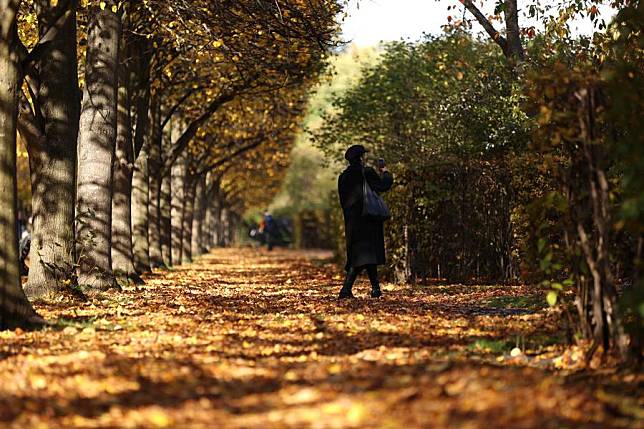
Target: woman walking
364, 235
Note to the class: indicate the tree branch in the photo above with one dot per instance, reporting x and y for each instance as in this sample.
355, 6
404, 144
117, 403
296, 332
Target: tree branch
28, 126
176, 106
30, 58
229, 157
487, 26
180, 145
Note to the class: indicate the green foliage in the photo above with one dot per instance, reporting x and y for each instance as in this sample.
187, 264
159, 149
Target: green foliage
306, 184
589, 227
623, 75
308, 193
530, 172
445, 116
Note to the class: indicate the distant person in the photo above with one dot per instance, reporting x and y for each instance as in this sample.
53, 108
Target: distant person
25, 246
267, 227
364, 235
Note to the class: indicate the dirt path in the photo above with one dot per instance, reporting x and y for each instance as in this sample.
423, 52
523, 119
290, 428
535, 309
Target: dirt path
243, 339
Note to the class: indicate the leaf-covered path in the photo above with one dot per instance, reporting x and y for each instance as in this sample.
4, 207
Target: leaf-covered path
250, 339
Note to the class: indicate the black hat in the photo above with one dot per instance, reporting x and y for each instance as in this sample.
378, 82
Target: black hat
354, 152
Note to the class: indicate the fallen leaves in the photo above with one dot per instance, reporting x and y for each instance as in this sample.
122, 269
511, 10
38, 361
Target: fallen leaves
228, 342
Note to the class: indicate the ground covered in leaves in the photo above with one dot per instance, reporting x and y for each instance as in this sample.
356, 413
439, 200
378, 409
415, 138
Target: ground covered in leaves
249, 339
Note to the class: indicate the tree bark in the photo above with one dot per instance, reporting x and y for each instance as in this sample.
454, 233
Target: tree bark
513, 32
224, 226
166, 218
233, 222
140, 81
197, 244
122, 256
15, 309
140, 207
210, 227
511, 46
217, 239
604, 314
188, 218
178, 201
52, 159
155, 164
96, 141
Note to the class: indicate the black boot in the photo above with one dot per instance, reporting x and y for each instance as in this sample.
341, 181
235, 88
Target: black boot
345, 292
372, 271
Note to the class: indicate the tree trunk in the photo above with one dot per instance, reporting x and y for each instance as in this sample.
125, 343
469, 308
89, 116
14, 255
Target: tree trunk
206, 237
156, 165
511, 46
233, 222
178, 201
188, 218
166, 208
166, 217
140, 207
96, 141
122, 256
607, 327
217, 216
199, 220
209, 229
52, 161
513, 32
15, 309
224, 227
140, 81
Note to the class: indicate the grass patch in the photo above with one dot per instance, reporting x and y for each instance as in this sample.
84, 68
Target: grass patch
530, 302
489, 346
540, 341
79, 322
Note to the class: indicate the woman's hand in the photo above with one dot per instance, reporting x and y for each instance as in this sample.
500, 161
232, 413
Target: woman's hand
382, 166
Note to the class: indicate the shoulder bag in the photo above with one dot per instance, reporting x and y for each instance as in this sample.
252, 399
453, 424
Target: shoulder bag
373, 207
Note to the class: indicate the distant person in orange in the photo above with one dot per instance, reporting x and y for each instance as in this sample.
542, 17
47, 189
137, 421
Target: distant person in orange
363, 232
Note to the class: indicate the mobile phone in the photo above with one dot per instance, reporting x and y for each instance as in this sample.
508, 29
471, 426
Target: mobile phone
381, 163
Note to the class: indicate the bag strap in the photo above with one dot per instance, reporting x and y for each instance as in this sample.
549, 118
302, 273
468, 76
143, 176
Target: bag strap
364, 182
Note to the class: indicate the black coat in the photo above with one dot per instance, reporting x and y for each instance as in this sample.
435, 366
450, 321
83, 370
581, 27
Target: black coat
364, 237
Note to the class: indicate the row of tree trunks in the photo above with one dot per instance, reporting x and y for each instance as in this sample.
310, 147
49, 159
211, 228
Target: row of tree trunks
158, 217
100, 171
190, 223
